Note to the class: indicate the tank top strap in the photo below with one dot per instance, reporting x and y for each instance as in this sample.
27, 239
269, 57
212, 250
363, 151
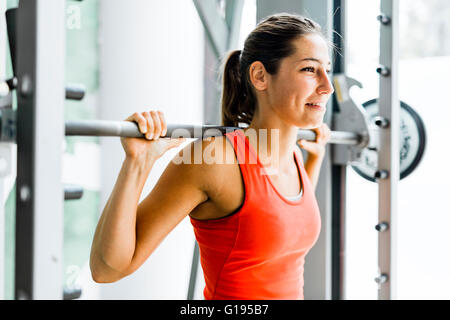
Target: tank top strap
305, 178
252, 173
244, 151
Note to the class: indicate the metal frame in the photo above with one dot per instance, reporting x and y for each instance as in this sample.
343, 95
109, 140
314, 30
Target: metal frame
215, 26
3, 148
209, 11
40, 40
222, 33
39, 195
106, 128
388, 151
338, 170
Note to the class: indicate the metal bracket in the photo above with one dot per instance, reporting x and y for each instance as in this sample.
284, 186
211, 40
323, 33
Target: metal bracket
351, 118
8, 125
5, 96
222, 32
7, 114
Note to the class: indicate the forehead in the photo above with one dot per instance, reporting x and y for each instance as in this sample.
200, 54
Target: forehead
310, 46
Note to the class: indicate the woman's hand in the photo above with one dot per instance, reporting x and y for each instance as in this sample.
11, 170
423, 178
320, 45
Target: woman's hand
153, 125
317, 148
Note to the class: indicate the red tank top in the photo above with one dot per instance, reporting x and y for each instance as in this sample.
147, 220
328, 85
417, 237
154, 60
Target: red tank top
258, 252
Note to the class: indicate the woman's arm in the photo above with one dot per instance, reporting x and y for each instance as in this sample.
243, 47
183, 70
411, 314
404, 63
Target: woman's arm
316, 152
115, 236
312, 167
127, 233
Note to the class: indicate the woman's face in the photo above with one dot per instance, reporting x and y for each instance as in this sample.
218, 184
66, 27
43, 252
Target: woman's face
302, 80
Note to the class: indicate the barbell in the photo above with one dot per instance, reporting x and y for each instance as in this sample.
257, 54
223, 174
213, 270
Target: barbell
412, 136
412, 130
362, 144
131, 130
412, 142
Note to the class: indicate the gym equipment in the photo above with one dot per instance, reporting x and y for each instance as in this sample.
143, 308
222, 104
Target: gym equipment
38, 93
412, 142
361, 148
72, 192
388, 147
130, 129
355, 137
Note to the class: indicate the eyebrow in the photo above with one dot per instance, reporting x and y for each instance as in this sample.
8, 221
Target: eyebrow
313, 59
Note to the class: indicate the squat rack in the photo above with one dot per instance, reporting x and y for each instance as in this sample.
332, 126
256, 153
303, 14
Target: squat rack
39, 72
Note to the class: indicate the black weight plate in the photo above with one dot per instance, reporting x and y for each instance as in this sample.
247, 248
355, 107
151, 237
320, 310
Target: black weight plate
412, 142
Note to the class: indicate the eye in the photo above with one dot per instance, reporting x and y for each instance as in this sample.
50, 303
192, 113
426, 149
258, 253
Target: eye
311, 69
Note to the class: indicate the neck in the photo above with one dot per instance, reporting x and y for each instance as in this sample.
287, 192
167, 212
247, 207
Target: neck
274, 142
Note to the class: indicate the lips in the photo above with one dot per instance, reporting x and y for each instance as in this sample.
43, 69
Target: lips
316, 105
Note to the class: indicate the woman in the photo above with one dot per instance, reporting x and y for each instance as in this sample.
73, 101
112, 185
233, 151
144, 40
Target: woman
253, 229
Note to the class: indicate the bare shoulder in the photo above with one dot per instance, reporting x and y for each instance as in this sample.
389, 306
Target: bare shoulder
189, 182
209, 161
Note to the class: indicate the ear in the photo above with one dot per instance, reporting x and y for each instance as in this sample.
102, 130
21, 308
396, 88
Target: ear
258, 75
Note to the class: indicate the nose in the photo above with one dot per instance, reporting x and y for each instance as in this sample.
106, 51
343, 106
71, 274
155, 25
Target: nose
325, 85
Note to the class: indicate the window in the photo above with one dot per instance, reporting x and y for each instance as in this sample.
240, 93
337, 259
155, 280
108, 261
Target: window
423, 258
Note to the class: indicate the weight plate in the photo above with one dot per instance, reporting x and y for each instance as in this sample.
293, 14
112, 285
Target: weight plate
412, 142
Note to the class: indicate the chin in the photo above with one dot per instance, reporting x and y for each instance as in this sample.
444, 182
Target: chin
309, 125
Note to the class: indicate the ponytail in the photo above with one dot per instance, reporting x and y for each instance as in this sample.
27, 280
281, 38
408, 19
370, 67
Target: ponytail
238, 103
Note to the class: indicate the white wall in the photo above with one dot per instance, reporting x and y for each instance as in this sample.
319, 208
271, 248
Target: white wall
2, 204
151, 57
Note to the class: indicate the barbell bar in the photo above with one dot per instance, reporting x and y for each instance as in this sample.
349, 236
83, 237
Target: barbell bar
412, 139
73, 91
131, 130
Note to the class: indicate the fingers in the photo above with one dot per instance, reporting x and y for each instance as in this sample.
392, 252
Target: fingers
140, 120
157, 125
323, 133
163, 123
327, 132
151, 123
149, 120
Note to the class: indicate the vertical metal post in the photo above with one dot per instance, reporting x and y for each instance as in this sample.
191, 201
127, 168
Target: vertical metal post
194, 270
388, 173
2, 184
40, 132
339, 171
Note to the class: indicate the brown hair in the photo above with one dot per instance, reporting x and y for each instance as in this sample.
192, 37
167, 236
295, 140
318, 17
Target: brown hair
269, 42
